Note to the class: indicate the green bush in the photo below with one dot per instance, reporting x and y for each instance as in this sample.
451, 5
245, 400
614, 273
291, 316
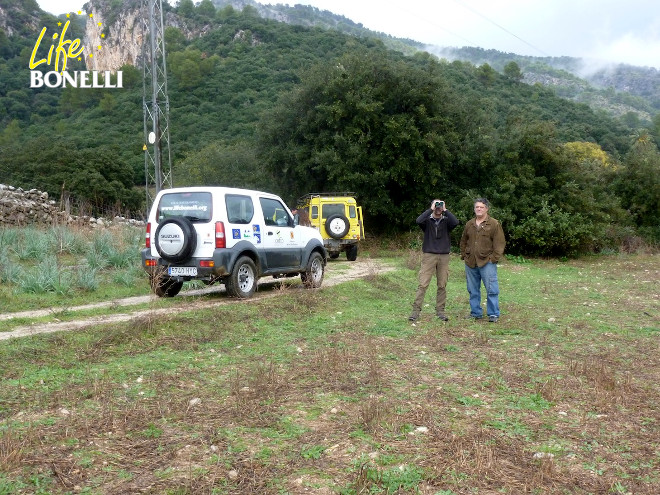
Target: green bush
87, 279
33, 244
68, 241
46, 277
550, 232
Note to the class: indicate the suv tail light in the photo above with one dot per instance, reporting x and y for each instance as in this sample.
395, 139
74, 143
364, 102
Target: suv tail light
147, 237
220, 241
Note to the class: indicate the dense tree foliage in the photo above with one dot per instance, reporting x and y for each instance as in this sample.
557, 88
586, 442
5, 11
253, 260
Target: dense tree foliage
371, 124
261, 104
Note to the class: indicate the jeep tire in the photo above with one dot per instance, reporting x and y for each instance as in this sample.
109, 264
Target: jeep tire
352, 252
165, 286
312, 277
337, 226
176, 239
242, 282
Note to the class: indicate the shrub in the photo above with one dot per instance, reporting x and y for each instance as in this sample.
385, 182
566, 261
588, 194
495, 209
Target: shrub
95, 259
10, 272
123, 258
551, 231
46, 277
68, 241
86, 279
33, 245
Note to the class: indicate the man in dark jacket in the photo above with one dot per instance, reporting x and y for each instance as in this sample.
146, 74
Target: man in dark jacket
436, 222
482, 246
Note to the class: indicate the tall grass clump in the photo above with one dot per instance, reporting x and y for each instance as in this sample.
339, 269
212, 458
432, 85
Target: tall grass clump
33, 244
128, 276
123, 258
8, 238
86, 279
132, 236
103, 242
68, 241
95, 259
10, 272
46, 277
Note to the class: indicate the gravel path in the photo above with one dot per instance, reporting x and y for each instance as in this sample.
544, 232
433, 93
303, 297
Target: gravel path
336, 273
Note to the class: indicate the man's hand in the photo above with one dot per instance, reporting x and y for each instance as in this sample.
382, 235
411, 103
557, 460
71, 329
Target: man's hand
438, 201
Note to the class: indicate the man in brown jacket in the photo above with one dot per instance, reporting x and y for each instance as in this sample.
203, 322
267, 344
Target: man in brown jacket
482, 246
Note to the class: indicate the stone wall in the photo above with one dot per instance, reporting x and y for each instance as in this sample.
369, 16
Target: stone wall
19, 208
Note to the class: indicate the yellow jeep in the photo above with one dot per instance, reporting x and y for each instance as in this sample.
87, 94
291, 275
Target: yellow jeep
338, 218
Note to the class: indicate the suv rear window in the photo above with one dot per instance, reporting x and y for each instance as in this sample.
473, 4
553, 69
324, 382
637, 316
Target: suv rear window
329, 209
196, 206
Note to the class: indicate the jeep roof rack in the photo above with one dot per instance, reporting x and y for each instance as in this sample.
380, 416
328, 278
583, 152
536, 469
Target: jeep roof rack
309, 196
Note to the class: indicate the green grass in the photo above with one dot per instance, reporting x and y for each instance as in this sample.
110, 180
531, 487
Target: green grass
41, 268
333, 391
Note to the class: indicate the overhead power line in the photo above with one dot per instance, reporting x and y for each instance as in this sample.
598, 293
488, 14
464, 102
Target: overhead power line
474, 11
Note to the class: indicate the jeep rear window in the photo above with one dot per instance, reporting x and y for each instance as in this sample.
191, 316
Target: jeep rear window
195, 206
239, 208
329, 209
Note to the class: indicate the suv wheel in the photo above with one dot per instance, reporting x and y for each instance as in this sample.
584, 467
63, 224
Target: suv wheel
165, 286
243, 279
337, 226
352, 252
312, 277
176, 239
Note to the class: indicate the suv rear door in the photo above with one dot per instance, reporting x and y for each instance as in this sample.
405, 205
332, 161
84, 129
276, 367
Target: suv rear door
196, 206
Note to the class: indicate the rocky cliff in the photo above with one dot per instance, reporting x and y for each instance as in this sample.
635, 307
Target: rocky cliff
120, 29
122, 34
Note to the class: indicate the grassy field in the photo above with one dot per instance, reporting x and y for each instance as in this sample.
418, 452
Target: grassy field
332, 391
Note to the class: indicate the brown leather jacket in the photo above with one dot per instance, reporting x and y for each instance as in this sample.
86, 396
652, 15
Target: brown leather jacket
482, 244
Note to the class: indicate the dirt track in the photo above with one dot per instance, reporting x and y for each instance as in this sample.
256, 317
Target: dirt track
336, 273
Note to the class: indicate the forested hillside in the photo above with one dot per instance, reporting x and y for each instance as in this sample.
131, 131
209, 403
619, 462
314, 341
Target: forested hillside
628, 92
262, 104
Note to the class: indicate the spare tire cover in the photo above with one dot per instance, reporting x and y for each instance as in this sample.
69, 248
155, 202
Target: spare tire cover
337, 226
176, 239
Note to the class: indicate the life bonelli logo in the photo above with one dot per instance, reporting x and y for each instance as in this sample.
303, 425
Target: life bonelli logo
61, 50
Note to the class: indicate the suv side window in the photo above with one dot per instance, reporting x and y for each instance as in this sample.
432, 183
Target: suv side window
351, 211
315, 212
275, 214
330, 209
196, 206
239, 208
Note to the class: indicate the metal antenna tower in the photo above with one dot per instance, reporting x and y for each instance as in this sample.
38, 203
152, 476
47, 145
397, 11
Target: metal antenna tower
156, 105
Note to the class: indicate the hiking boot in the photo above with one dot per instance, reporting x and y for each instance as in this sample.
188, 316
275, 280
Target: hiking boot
413, 316
472, 317
493, 319
442, 317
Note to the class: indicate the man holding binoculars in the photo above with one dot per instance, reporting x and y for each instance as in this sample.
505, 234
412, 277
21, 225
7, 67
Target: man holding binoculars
436, 222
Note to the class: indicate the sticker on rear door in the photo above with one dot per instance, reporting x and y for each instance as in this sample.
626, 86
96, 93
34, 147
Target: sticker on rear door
256, 233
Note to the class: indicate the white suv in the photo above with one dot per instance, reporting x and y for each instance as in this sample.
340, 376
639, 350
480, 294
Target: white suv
227, 235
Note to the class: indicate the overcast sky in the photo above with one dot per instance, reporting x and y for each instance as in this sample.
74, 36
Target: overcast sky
625, 31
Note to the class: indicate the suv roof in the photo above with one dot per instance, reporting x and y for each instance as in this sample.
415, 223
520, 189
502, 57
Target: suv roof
217, 190
348, 196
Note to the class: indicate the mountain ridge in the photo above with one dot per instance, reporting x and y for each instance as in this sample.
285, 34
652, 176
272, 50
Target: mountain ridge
623, 90
594, 87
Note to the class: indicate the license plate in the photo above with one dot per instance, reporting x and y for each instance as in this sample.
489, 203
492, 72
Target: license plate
183, 271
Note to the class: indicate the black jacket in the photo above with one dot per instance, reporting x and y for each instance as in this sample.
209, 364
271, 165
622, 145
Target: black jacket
436, 232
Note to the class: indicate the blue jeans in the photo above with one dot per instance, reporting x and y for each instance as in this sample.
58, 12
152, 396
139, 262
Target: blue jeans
488, 275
